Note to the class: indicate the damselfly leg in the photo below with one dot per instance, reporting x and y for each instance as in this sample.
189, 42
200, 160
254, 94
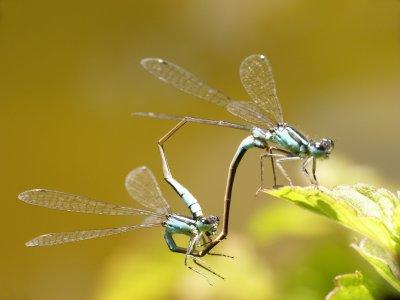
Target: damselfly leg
205, 239
306, 162
262, 157
314, 169
203, 265
220, 254
191, 248
279, 162
281, 156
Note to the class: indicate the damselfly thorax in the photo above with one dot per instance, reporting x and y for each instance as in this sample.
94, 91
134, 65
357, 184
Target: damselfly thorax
285, 136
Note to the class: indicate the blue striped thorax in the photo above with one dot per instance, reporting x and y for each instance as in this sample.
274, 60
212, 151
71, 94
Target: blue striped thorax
292, 140
289, 138
187, 226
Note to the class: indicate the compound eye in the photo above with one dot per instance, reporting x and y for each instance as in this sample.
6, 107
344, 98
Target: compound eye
327, 143
213, 220
319, 146
203, 220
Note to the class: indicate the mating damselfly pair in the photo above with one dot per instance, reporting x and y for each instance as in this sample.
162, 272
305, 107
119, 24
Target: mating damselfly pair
263, 118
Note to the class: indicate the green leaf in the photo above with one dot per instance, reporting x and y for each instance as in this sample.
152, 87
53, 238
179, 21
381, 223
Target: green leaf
362, 208
372, 212
349, 287
382, 260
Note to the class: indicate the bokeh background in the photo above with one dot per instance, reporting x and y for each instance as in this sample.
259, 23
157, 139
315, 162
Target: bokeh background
69, 80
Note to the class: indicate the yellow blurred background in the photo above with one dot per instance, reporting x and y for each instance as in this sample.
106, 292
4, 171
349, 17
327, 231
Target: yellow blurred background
69, 80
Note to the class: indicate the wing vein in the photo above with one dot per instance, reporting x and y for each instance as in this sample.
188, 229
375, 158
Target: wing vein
68, 202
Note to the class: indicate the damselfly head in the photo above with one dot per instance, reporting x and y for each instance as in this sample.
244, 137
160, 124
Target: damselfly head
321, 149
209, 224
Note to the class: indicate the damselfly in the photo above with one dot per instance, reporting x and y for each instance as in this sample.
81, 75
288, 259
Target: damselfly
263, 116
142, 186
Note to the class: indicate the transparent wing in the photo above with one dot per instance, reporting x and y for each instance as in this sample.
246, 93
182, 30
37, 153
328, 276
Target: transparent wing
154, 219
258, 80
51, 239
142, 186
69, 202
250, 112
184, 80
192, 119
